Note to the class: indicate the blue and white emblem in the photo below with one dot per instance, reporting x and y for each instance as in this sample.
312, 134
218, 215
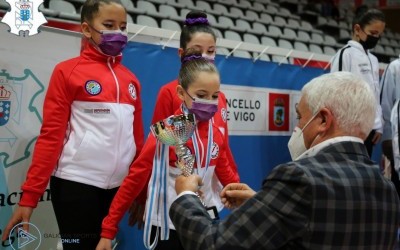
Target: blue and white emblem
224, 114
25, 11
214, 150
24, 17
5, 105
132, 90
93, 87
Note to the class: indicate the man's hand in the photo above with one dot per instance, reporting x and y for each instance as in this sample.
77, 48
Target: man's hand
136, 212
104, 244
234, 194
376, 138
190, 183
21, 214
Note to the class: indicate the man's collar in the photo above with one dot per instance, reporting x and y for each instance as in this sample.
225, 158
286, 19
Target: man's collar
317, 148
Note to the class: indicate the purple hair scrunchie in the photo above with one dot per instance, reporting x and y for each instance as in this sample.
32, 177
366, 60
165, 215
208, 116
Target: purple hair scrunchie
198, 20
190, 58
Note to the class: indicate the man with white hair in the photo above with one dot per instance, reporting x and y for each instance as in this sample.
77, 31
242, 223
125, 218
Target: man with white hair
332, 196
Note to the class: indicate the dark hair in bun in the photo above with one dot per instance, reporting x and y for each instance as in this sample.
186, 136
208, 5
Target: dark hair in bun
364, 16
192, 64
196, 21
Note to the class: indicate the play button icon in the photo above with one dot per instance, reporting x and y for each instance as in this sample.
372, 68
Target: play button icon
26, 240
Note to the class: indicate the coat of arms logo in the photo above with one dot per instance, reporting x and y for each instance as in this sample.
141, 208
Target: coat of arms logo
24, 18
5, 105
20, 118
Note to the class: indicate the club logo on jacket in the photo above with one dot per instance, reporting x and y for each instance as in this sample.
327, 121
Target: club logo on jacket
214, 150
93, 87
365, 68
132, 90
224, 114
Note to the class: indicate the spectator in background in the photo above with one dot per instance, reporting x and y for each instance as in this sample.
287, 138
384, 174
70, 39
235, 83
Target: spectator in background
326, 8
355, 57
335, 11
330, 9
390, 94
312, 5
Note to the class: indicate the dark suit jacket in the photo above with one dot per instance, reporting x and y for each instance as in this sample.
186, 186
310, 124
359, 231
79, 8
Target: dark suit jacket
337, 199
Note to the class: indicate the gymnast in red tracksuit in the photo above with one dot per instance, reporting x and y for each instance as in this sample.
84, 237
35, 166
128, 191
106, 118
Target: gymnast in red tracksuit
198, 90
196, 33
92, 130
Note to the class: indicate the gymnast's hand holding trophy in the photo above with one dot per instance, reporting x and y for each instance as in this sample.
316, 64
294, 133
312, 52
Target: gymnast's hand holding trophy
176, 131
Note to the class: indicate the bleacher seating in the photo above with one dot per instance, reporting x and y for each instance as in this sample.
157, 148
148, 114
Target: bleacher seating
250, 38
242, 53
254, 21
147, 21
66, 9
300, 46
232, 35
170, 25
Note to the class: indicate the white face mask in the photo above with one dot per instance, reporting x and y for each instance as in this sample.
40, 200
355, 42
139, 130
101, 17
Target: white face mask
296, 143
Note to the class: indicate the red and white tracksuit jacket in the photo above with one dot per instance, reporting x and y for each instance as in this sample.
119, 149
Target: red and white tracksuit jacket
139, 174
92, 125
168, 102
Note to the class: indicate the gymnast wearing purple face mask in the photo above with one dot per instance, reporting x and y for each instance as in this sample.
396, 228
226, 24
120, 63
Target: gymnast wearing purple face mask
92, 130
198, 90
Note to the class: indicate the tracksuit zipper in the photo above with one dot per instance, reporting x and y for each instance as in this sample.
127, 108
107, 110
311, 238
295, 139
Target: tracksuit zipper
116, 165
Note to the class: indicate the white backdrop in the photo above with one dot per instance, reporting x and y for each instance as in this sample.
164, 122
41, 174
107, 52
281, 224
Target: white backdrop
26, 64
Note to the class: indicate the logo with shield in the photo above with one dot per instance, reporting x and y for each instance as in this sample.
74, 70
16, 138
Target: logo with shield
24, 18
25, 10
5, 105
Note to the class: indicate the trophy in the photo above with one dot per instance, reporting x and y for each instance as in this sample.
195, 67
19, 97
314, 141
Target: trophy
176, 131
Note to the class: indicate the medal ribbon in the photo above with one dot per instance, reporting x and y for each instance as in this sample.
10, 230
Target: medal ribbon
195, 139
157, 196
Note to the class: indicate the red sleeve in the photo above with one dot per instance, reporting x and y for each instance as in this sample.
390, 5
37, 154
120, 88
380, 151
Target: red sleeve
224, 171
130, 188
228, 151
138, 130
164, 104
232, 163
142, 197
48, 147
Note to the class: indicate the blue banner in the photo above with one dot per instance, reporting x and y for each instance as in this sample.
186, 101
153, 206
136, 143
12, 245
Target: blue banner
254, 155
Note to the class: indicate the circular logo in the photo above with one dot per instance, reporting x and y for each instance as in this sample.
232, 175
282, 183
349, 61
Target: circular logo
93, 87
224, 114
214, 150
25, 239
132, 90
